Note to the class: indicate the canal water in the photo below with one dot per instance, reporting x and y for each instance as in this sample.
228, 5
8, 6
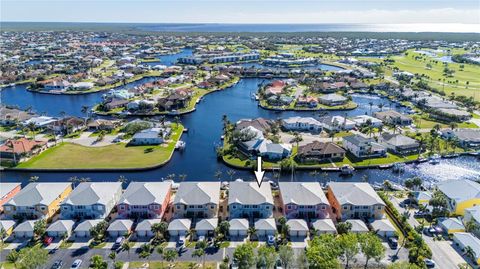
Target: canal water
198, 161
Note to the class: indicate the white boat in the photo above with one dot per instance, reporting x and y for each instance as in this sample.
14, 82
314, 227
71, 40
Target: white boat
180, 145
434, 159
347, 169
399, 167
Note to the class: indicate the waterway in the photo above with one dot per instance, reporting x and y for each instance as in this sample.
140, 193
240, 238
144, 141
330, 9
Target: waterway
199, 161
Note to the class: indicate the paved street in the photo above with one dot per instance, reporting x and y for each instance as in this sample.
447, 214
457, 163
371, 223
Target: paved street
443, 253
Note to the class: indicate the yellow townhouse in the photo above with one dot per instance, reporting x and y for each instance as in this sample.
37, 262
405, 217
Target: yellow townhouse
461, 194
37, 200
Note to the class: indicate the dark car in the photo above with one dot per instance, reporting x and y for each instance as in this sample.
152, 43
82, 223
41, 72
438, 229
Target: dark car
393, 242
57, 264
118, 243
420, 214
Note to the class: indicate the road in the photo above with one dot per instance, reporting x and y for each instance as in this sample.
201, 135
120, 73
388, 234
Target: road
444, 255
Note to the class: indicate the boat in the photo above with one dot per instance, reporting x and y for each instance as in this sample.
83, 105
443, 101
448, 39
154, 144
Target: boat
385, 166
393, 186
434, 159
222, 137
180, 145
347, 169
399, 167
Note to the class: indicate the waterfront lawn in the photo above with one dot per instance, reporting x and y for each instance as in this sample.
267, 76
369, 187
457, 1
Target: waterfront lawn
178, 265
68, 155
424, 122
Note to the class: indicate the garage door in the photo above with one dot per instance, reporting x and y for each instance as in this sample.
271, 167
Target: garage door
173, 233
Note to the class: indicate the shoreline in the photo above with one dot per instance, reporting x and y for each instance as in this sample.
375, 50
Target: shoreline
306, 110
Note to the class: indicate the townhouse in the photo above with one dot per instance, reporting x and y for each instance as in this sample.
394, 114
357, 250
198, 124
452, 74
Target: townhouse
37, 200
248, 200
197, 200
91, 200
460, 194
7, 191
145, 200
304, 200
354, 200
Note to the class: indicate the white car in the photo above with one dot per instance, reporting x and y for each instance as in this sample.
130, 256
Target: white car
76, 264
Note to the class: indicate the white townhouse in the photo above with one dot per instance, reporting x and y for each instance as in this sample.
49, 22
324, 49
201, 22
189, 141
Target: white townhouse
247, 200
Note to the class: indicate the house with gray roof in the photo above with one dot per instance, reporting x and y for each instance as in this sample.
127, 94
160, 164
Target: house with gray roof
473, 214
393, 117
358, 226
399, 144
468, 240
179, 227
24, 229
265, 227
304, 200
297, 228
467, 138
206, 227
460, 194
144, 227
355, 200
450, 114
197, 200
238, 228
301, 124
145, 200
332, 99
383, 228
120, 227
362, 147
91, 200
7, 191
324, 226
37, 200
248, 200
60, 228
83, 228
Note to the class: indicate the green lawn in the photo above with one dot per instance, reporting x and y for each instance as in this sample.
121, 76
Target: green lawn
67, 155
7, 265
178, 265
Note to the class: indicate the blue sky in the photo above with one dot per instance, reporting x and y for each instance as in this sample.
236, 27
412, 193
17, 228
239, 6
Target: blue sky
243, 11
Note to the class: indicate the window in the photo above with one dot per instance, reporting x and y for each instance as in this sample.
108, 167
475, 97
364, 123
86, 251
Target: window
345, 207
323, 207
289, 206
212, 207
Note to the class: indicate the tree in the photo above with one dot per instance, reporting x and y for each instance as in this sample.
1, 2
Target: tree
159, 229
33, 179
283, 227
31, 258
323, 252
97, 262
160, 251
344, 227
170, 255
182, 177
218, 174
39, 228
471, 226
402, 265
146, 252
3, 234
75, 180
348, 244
199, 253
230, 173
113, 256
98, 231
297, 138
126, 247
286, 255
371, 247
266, 257
122, 179
244, 255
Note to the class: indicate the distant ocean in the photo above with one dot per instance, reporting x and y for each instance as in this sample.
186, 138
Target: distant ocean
220, 27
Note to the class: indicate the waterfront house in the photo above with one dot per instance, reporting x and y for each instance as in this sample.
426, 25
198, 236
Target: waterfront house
152, 136
336, 123
452, 225
324, 226
319, 152
260, 124
301, 124
399, 144
17, 149
450, 114
383, 228
461, 194
7, 191
265, 227
354, 200
358, 226
60, 228
308, 101
297, 228
365, 120
67, 125
468, 240
304, 200
145, 200
91, 200
248, 200
40, 121
206, 227
83, 228
37, 200
238, 228
12, 116
256, 144
144, 227
362, 147
393, 117
179, 227
7, 226
467, 138
102, 124
332, 99
24, 229
120, 227
197, 200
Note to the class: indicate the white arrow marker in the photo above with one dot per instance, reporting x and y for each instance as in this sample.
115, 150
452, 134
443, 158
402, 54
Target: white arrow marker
259, 173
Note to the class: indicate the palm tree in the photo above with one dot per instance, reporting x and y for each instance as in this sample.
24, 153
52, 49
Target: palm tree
170, 255
252, 231
122, 179
31, 127
3, 234
160, 251
146, 252
177, 120
470, 253
126, 247
159, 229
182, 177
75, 180
230, 173
218, 174
371, 105
297, 138
33, 179
84, 179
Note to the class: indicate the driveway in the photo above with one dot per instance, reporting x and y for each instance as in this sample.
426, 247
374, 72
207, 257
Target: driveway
87, 141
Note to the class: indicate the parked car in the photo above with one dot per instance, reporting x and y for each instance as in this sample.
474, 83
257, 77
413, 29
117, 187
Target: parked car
429, 263
393, 242
420, 214
76, 264
47, 240
180, 242
57, 264
118, 242
201, 238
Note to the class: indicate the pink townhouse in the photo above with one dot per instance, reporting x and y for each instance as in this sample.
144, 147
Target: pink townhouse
7, 191
145, 200
304, 200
